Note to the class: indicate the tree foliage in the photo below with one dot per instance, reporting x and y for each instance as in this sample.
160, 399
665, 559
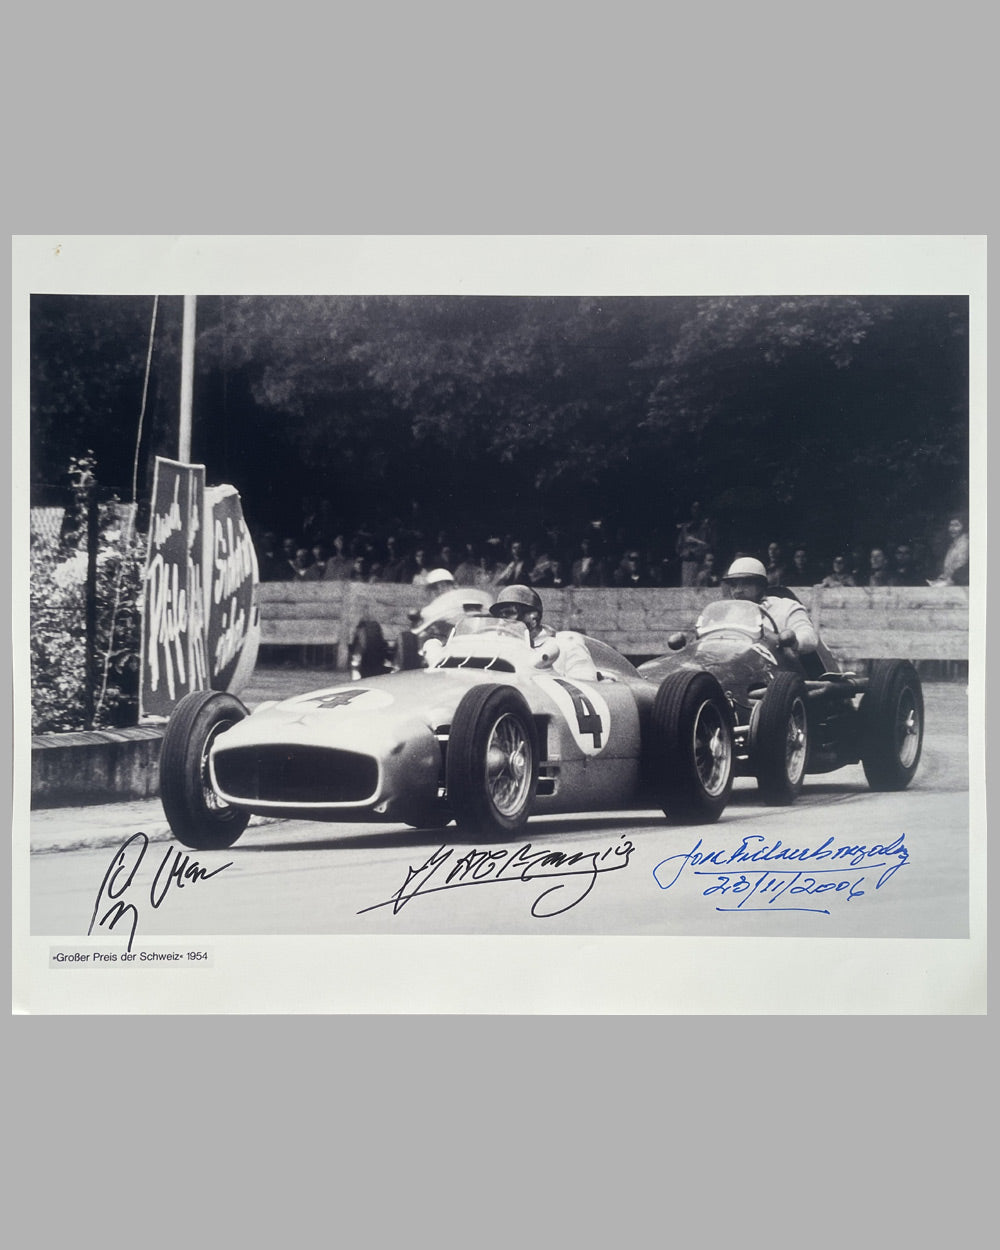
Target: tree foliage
818, 416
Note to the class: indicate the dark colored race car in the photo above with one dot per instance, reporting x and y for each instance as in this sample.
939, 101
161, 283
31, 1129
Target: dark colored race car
788, 721
488, 736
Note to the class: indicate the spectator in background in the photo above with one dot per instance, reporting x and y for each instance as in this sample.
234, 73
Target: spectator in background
774, 566
338, 565
272, 565
955, 566
515, 571
904, 570
840, 574
302, 565
395, 567
630, 572
801, 572
695, 537
543, 569
467, 570
587, 569
878, 568
319, 555
419, 577
708, 574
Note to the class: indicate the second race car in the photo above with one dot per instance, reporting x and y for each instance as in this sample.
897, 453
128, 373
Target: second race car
789, 720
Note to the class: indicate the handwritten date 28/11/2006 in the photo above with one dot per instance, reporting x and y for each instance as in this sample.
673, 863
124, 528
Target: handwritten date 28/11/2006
762, 876
176, 868
574, 874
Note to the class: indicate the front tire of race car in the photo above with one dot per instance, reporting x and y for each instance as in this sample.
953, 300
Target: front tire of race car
779, 740
197, 816
892, 725
691, 748
492, 763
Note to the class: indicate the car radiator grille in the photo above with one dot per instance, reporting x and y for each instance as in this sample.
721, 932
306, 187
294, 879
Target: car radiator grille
294, 774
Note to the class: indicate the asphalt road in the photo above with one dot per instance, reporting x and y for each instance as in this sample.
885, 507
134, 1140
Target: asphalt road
901, 867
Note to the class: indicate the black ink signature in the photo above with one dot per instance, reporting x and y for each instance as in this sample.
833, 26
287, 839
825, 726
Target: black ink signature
804, 880
120, 876
477, 867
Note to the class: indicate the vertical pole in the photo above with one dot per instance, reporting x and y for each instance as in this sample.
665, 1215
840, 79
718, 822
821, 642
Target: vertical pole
187, 378
90, 612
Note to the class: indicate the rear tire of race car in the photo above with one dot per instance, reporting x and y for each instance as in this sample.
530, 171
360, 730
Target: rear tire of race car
691, 748
892, 725
492, 763
369, 650
408, 650
197, 817
779, 740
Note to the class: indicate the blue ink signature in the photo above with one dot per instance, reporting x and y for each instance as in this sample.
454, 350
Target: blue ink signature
478, 867
809, 875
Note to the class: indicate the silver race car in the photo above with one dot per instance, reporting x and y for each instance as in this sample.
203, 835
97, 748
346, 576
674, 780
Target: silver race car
488, 736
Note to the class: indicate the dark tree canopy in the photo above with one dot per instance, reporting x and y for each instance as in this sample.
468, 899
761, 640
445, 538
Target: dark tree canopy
827, 418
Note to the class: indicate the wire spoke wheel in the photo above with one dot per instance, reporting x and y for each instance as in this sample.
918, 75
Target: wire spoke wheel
508, 765
491, 766
713, 749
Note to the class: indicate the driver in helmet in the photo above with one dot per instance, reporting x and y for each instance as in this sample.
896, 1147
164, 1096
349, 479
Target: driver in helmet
746, 578
522, 603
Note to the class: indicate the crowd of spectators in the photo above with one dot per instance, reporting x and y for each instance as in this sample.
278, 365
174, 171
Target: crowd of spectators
596, 557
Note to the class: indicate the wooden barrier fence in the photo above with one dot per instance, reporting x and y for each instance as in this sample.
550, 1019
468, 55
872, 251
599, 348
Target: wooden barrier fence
857, 623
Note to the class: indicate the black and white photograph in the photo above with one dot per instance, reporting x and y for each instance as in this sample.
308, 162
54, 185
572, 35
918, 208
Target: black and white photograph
520, 624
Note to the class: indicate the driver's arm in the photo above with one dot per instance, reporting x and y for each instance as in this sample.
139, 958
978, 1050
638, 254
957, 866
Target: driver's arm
802, 627
574, 660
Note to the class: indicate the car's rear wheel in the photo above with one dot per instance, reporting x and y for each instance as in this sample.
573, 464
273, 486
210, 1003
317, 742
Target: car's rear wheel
369, 651
779, 740
492, 763
690, 757
195, 813
892, 725
408, 650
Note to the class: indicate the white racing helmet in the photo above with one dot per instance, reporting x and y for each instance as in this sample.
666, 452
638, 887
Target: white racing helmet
745, 566
436, 576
